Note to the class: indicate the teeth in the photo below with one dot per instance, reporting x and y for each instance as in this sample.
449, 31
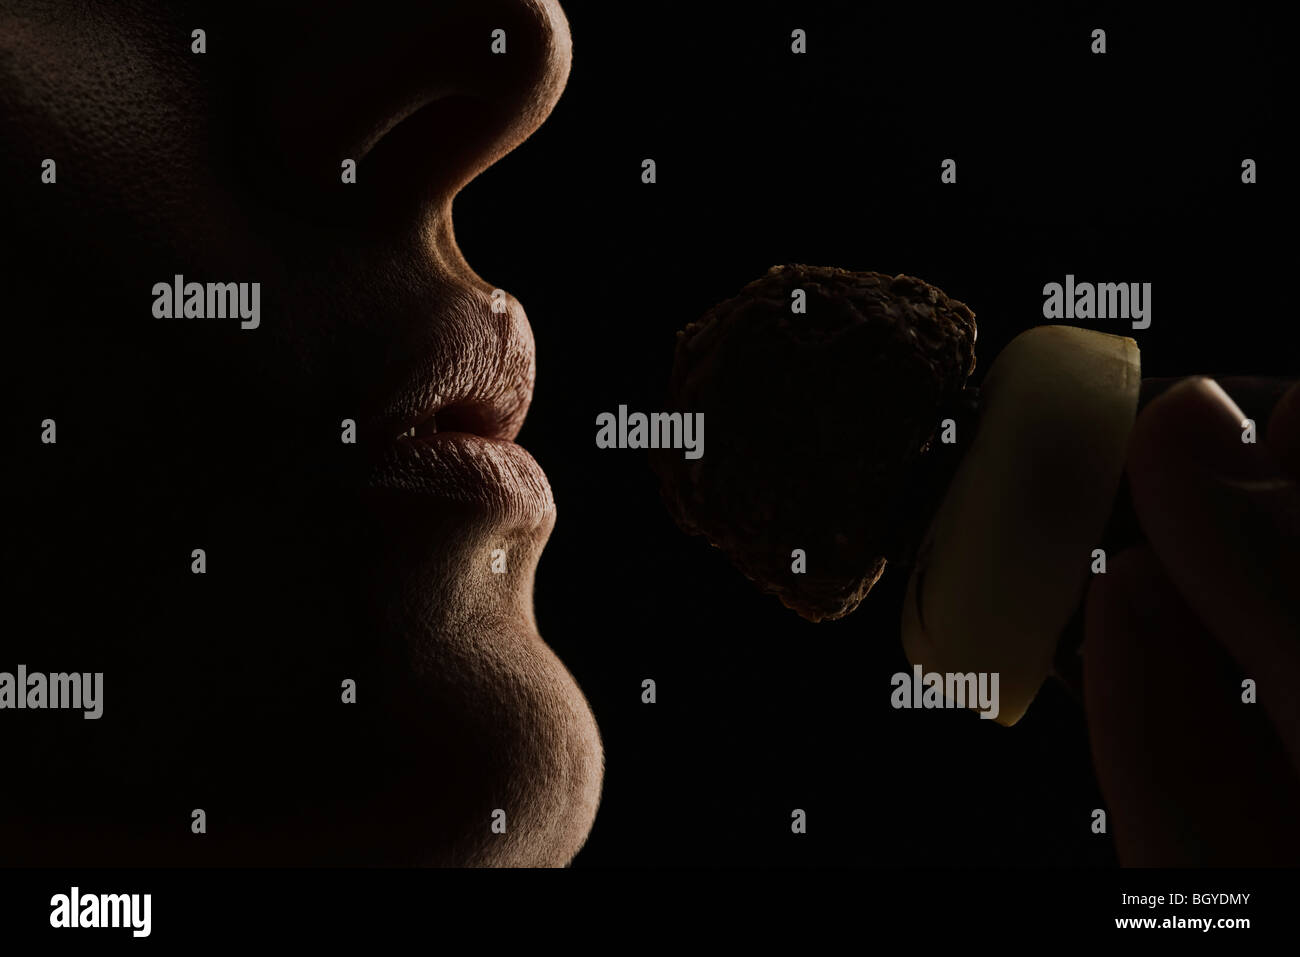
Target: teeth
427, 427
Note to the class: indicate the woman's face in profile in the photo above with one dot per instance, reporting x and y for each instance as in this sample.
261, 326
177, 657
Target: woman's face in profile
282, 513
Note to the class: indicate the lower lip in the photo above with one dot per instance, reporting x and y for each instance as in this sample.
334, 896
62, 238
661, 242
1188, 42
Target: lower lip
493, 479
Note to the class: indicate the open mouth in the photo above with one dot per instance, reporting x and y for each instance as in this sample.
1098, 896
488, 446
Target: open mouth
468, 417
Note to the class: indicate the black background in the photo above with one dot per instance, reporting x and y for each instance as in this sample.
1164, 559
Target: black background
1121, 167
1117, 167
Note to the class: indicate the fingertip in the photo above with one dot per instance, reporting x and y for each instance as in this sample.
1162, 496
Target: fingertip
1195, 424
1283, 436
1224, 523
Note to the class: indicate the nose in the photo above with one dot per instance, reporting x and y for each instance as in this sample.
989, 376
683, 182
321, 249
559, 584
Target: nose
420, 97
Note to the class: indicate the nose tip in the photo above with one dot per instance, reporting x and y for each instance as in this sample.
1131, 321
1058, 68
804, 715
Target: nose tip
421, 99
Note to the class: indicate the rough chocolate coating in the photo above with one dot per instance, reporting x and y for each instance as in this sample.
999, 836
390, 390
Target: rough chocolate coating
815, 424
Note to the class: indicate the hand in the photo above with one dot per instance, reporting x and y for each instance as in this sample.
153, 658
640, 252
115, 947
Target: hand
1191, 774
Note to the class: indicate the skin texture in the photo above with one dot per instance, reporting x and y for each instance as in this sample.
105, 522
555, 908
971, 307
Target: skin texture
1192, 776
222, 691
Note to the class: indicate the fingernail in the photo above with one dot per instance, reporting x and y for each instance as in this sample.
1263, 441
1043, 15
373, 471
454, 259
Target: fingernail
1207, 428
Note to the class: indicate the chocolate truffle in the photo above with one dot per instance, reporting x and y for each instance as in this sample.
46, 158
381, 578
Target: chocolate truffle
818, 421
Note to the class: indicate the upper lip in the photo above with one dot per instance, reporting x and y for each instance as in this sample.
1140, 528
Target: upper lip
475, 375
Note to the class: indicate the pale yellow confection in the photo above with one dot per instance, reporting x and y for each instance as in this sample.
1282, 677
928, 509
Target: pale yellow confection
1008, 553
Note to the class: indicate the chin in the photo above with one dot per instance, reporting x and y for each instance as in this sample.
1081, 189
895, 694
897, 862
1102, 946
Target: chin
480, 717
471, 744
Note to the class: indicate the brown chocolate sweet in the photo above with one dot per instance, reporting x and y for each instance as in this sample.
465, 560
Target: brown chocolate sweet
818, 423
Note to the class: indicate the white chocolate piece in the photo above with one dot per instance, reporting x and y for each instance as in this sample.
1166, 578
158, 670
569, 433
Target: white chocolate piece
1006, 559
